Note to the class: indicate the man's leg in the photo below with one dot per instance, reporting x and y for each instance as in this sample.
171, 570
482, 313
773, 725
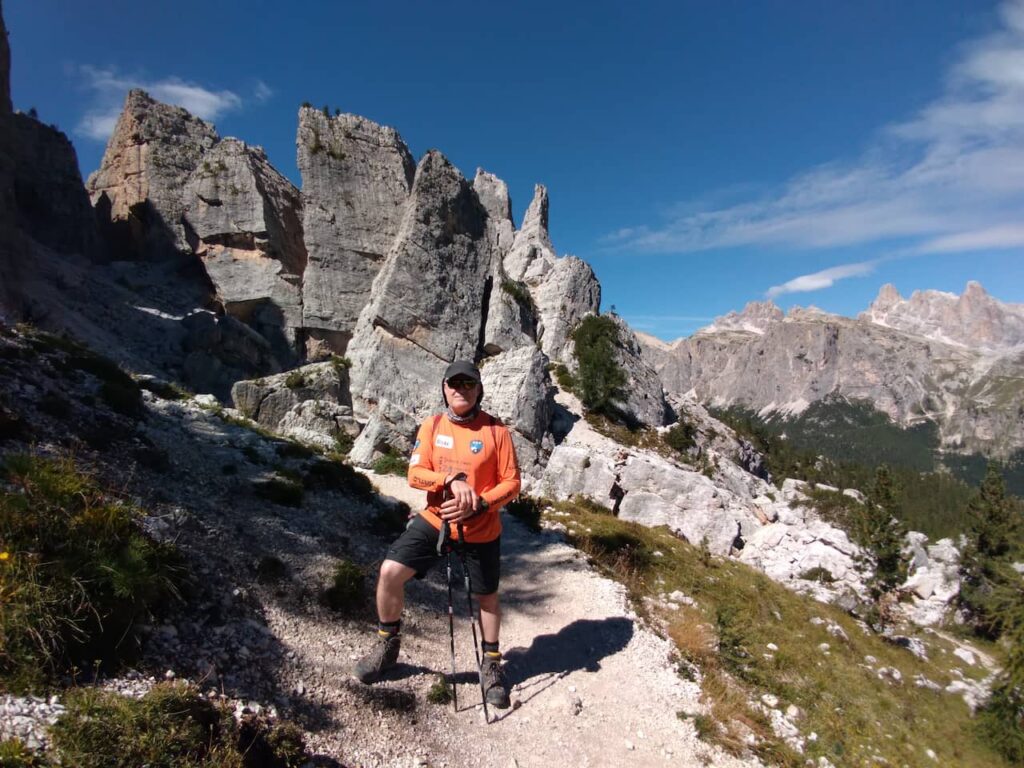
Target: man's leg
490, 617
391, 590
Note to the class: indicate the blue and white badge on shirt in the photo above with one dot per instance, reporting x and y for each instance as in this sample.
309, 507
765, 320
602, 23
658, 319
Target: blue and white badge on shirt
476, 446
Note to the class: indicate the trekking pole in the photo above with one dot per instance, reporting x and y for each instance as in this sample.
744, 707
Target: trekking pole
472, 622
444, 546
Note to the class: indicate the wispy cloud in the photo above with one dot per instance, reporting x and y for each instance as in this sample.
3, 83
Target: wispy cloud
826, 278
109, 88
949, 178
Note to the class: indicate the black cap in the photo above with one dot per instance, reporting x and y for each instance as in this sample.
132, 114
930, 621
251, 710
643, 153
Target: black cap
462, 368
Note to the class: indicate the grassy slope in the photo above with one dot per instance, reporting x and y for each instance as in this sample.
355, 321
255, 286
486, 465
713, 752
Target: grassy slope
858, 712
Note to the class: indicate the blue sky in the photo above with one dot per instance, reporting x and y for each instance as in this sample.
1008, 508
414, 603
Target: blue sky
698, 154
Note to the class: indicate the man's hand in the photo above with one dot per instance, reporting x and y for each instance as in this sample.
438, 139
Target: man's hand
462, 504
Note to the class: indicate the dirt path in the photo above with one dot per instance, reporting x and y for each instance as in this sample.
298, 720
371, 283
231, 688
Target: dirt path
591, 687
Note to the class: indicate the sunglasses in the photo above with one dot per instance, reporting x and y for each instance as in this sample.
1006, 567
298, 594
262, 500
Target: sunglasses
464, 384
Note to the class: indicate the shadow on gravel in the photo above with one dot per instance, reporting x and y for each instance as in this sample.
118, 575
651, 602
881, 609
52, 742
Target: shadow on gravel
579, 645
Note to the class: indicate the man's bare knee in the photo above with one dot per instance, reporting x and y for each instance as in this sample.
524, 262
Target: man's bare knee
393, 575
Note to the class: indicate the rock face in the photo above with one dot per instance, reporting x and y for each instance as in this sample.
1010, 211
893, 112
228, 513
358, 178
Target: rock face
645, 398
138, 190
973, 319
426, 307
52, 206
356, 178
5, 68
785, 365
243, 219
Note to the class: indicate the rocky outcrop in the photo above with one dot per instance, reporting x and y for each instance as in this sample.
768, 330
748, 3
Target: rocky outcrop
426, 308
756, 317
244, 220
708, 499
518, 391
356, 178
138, 191
311, 403
811, 355
973, 319
5, 68
644, 397
51, 204
564, 291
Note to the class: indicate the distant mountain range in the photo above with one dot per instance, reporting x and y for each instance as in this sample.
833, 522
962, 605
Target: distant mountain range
957, 361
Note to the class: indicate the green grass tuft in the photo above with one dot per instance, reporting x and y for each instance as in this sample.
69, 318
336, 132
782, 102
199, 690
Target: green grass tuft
391, 463
172, 726
77, 576
440, 692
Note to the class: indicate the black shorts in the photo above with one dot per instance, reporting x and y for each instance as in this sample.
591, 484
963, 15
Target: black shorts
417, 549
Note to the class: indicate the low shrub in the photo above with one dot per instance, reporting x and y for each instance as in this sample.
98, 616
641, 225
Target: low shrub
527, 510
681, 437
280, 490
346, 590
332, 473
564, 377
295, 380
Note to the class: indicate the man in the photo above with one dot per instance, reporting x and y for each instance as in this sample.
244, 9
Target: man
465, 461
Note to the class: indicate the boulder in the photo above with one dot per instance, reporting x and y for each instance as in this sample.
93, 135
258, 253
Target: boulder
244, 221
310, 403
356, 179
138, 191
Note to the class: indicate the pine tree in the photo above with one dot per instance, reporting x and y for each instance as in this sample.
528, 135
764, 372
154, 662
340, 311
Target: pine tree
882, 534
984, 564
600, 379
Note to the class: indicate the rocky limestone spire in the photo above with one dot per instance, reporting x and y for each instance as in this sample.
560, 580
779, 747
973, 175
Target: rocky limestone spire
511, 320
356, 177
5, 67
532, 240
887, 298
138, 189
244, 220
426, 307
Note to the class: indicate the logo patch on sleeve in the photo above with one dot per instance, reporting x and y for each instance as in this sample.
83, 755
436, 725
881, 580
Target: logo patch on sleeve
414, 460
476, 446
416, 444
444, 441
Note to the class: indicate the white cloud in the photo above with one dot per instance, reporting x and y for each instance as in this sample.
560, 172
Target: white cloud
262, 92
826, 278
109, 88
953, 169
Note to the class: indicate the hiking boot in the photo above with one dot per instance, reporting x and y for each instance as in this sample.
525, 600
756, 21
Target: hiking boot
492, 678
380, 659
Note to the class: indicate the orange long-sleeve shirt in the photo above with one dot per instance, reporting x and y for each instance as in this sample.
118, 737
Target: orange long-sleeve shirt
482, 448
